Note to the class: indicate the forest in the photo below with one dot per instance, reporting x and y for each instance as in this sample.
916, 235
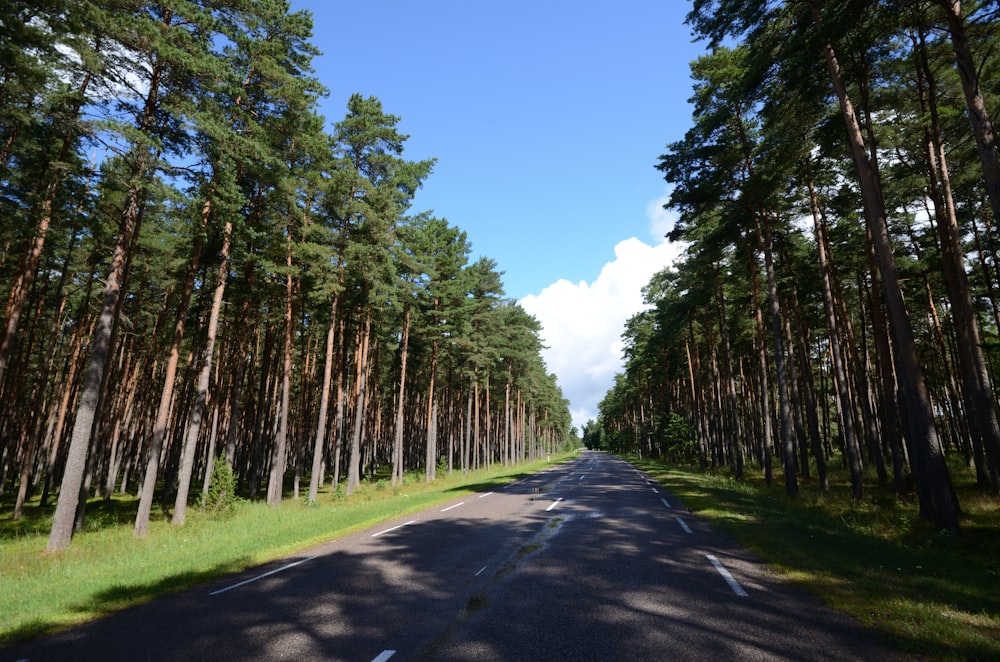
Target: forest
206, 280
838, 196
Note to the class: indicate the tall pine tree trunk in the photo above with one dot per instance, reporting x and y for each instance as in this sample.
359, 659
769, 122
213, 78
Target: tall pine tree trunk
397, 446
63, 519
48, 187
338, 426
430, 471
204, 377
975, 379
788, 459
324, 405
276, 477
354, 462
764, 386
83, 427
919, 414
982, 125
141, 527
840, 379
731, 414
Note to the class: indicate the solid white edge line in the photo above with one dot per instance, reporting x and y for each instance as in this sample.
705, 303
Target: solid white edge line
684, 525
553, 504
266, 574
733, 584
666, 503
376, 535
444, 510
384, 655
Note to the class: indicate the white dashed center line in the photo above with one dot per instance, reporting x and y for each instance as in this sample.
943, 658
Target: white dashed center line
376, 535
733, 584
266, 574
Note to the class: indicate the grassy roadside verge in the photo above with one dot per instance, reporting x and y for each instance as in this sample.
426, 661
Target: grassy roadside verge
934, 595
106, 569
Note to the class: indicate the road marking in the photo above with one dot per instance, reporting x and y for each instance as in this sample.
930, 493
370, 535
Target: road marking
485, 495
383, 656
554, 504
733, 584
480, 571
666, 503
656, 491
376, 535
266, 574
461, 503
687, 529
583, 476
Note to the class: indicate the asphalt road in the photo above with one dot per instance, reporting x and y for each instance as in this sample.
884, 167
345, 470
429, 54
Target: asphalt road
590, 560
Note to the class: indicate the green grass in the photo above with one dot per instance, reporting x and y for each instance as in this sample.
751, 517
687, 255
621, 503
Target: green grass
933, 594
106, 569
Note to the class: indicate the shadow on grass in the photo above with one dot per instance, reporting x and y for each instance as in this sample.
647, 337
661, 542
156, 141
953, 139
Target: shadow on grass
933, 593
120, 597
36, 520
488, 484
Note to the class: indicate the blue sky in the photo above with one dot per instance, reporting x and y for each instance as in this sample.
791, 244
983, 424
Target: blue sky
546, 119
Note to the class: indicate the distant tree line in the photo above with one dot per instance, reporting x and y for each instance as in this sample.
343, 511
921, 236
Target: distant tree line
198, 269
839, 196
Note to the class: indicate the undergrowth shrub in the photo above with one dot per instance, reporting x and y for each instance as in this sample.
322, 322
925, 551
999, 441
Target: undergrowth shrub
220, 500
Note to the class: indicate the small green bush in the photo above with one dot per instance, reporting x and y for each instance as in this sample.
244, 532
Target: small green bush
220, 500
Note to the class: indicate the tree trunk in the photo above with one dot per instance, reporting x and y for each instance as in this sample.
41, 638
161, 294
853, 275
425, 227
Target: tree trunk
338, 428
141, 527
764, 387
430, 470
982, 125
48, 186
812, 418
788, 458
198, 410
840, 380
731, 413
696, 403
891, 417
477, 450
975, 380
276, 477
354, 464
76, 461
397, 447
467, 439
919, 414
324, 405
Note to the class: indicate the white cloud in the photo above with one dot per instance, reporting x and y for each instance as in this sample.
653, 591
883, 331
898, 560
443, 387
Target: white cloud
661, 221
582, 322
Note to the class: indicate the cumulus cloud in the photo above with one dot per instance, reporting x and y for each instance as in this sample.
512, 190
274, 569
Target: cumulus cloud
661, 221
582, 322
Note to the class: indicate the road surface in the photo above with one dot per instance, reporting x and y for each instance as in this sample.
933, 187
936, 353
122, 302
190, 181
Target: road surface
589, 560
